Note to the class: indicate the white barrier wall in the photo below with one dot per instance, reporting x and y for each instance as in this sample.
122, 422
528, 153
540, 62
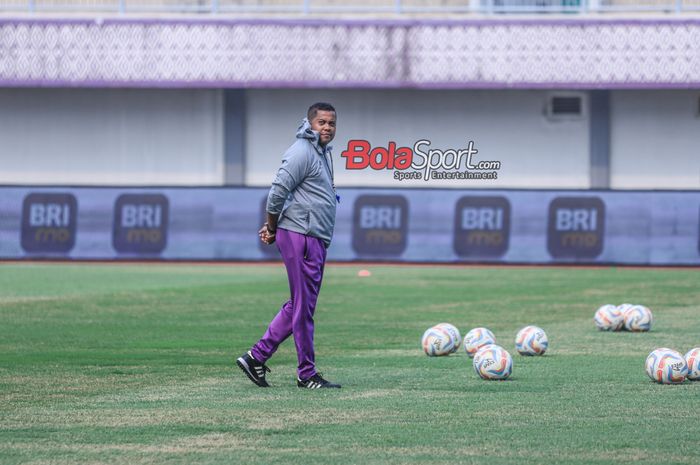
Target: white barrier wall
417, 225
655, 139
111, 136
506, 126
176, 137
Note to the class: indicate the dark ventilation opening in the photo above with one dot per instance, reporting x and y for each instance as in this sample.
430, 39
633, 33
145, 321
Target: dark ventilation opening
566, 106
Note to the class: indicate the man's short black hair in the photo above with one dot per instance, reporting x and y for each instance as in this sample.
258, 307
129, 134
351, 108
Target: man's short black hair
313, 109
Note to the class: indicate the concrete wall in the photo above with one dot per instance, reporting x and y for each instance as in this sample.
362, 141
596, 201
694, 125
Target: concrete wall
111, 136
177, 137
655, 139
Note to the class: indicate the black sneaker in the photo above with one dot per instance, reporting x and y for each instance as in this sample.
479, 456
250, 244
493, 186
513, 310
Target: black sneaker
316, 382
254, 369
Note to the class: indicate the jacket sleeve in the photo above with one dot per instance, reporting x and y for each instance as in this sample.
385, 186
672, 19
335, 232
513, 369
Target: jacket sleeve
294, 169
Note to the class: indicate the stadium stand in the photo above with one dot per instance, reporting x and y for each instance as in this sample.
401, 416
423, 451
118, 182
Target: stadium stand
352, 7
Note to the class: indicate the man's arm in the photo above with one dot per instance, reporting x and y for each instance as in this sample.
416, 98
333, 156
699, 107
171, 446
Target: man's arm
272, 222
269, 229
294, 169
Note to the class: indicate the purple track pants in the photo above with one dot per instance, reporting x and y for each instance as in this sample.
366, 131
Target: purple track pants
304, 257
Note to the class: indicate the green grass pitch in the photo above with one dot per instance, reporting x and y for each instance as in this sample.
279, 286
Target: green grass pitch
134, 364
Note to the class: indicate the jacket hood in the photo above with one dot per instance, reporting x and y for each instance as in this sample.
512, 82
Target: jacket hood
305, 132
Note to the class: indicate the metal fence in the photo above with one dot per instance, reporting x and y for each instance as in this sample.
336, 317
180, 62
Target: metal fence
390, 7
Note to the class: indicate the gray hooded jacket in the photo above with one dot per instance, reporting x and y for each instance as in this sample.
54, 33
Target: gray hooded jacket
302, 192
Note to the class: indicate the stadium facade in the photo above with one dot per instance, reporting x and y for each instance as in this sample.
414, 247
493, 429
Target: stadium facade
576, 110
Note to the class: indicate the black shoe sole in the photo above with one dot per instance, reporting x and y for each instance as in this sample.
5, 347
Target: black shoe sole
246, 369
321, 387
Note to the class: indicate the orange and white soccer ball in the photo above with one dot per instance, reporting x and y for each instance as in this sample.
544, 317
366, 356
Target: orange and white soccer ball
436, 342
638, 318
692, 359
454, 334
493, 362
477, 338
609, 318
666, 366
531, 340
623, 307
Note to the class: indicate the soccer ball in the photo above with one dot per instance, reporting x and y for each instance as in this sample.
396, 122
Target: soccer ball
437, 341
692, 358
476, 338
454, 334
609, 318
666, 366
531, 340
493, 362
638, 318
623, 307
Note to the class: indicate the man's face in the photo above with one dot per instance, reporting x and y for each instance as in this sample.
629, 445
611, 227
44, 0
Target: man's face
324, 124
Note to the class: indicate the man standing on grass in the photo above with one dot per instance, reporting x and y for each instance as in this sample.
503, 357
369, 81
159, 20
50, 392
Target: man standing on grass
300, 218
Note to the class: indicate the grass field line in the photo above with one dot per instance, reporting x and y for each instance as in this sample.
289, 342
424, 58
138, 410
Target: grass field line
337, 263
209, 442
10, 300
219, 443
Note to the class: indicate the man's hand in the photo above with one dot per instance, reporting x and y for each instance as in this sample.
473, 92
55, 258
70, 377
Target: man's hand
266, 235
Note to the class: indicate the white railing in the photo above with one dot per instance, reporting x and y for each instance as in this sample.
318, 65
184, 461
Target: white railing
310, 7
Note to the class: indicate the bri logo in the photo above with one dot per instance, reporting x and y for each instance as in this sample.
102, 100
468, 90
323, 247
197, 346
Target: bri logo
482, 226
576, 227
420, 161
49, 222
140, 223
380, 225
